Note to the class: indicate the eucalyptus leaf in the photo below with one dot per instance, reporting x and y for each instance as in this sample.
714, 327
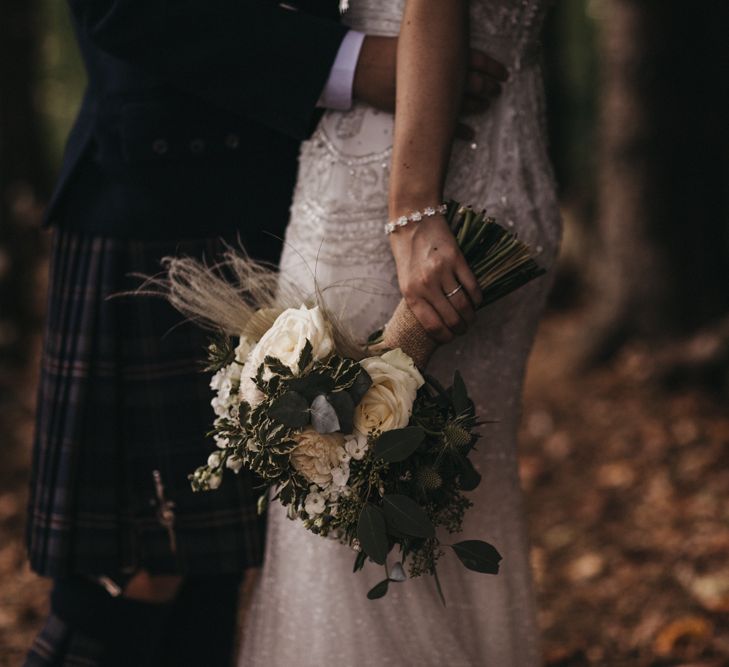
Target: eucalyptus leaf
343, 405
378, 591
360, 386
468, 478
461, 402
323, 415
311, 385
372, 533
306, 356
359, 561
438, 587
291, 409
396, 445
397, 573
405, 515
478, 556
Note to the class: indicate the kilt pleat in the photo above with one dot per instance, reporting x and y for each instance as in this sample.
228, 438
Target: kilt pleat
121, 395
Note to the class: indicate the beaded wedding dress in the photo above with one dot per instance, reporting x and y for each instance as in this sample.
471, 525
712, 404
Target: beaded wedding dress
309, 609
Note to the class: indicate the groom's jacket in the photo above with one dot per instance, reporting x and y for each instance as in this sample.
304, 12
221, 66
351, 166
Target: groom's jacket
193, 114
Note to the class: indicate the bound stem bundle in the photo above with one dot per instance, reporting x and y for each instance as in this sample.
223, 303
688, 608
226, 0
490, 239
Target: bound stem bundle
499, 260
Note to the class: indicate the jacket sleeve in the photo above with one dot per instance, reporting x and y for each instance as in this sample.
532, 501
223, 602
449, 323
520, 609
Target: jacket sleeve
248, 56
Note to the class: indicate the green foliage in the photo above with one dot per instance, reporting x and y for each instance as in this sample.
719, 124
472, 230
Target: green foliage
291, 409
372, 533
379, 590
407, 516
397, 445
478, 556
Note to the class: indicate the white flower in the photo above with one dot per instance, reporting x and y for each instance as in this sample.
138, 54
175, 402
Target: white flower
234, 463
340, 476
317, 455
214, 481
388, 403
356, 446
225, 383
214, 460
243, 350
220, 441
314, 503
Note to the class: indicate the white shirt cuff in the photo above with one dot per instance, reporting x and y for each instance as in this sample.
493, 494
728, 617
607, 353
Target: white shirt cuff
337, 93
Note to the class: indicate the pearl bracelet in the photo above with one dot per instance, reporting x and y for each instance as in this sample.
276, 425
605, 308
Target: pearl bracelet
415, 216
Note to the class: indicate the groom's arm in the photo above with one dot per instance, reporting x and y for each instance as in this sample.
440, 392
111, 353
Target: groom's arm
249, 56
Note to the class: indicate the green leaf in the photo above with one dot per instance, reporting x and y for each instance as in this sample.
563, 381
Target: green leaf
379, 590
468, 477
244, 410
360, 386
306, 356
461, 402
438, 587
275, 366
311, 385
478, 556
291, 409
359, 561
405, 515
396, 445
323, 415
342, 403
372, 533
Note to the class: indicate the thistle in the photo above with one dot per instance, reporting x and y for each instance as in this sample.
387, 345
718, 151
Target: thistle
456, 436
429, 478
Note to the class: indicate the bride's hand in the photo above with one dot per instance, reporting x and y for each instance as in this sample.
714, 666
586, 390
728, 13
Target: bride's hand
430, 265
374, 79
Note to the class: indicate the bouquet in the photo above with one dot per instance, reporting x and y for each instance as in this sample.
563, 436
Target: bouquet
354, 440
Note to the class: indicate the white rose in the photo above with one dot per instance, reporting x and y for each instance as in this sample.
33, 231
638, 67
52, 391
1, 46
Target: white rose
285, 340
402, 361
317, 455
243, 350
214, 460
287, 336
388, 403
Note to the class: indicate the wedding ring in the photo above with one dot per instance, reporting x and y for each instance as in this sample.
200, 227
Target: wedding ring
454, 291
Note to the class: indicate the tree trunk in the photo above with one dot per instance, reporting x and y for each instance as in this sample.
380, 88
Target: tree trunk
22, 177
664, 171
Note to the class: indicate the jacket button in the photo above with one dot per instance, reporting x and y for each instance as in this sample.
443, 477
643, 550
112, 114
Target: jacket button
160, 146
232, 141
197, 146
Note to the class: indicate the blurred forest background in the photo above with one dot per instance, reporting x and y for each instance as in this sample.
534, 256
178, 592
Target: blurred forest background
625, 441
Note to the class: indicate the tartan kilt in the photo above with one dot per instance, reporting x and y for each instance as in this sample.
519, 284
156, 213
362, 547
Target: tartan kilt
122, 395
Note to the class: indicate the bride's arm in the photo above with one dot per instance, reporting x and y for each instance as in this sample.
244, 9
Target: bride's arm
431, 68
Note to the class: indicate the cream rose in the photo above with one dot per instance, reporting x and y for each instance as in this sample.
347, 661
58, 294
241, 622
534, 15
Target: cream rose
388, 403
317, 455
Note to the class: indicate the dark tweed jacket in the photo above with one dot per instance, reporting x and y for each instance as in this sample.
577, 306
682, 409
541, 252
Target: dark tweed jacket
191, 122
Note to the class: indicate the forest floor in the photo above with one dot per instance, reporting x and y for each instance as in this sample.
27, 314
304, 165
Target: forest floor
628, 494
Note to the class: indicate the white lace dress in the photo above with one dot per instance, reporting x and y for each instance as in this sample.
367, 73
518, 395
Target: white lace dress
309, 609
